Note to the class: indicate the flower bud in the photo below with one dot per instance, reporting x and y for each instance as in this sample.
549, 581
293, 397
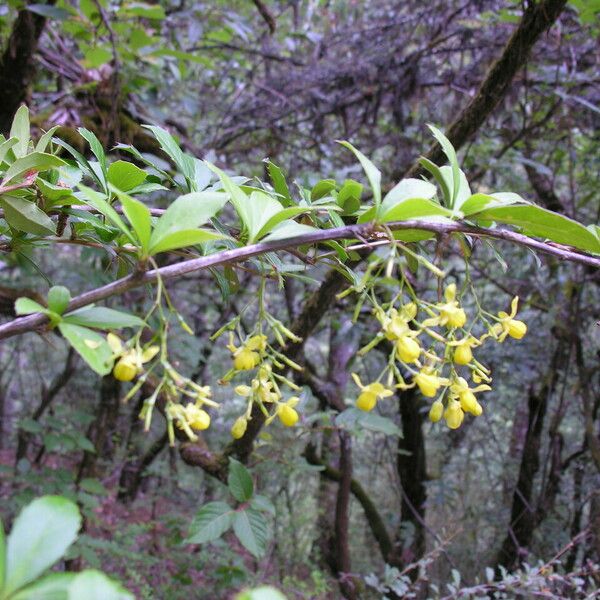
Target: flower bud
408, 349
463, 354
366, 401
239, 427
427, 383
454, 415
245, 359
516, 329
436, 411
287, 415
125, 369
469, 403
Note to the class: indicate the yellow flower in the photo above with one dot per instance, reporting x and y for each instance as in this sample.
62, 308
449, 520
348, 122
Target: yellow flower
408, 349
463, 354
370, 393
466, 395
245, 359
287, 413
451, 314
126, 368
257, 342
239, 427
428, 382
508, 325
130, 359
454, 414
197, 418
436, 411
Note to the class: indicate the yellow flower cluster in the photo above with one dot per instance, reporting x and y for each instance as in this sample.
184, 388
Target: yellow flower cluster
129, 360
248, 355
265, 391
415, 347
191, 417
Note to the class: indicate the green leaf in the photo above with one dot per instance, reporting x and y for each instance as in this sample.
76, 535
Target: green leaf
94, 585
436, 173
27, 306
288, 229
58, 299
210, 523
537, 221
100, 317
98, 201
20, 129
414, 208
250, 528
52, 587
322, 188
90, 345
259, 502
375, 422
236, 195
239, 481
95, 146
171, 148
278, 182
283, 215
40, 536
125, 175
82, 161
26, 216
48, 11
178, 222
349, 196
450, 153
478, 202
373, 173
97, 56
36, 161
6, 146
407, 189
264, 592
184, 239
139, 217
44, 140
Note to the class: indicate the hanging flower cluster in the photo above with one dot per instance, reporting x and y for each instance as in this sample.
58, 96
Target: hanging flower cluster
429, 353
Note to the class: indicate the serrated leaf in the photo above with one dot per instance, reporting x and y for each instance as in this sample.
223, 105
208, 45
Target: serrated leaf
125, 175
58, 299
45, 139
95, 146
282, 215
210, 523
90, 345
239, 481
349, 196
102, 318
259, 502
170, 147
26, 216
375, 422
250, 528
184, 239
36, 161
40, 536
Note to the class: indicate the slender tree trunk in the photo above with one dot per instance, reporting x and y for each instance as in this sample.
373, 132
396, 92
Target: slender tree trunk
17, 65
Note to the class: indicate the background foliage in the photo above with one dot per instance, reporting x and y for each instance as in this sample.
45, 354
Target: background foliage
510, 501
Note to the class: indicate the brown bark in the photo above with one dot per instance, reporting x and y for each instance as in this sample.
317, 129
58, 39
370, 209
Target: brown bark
523, 512
17, 66
411, 468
